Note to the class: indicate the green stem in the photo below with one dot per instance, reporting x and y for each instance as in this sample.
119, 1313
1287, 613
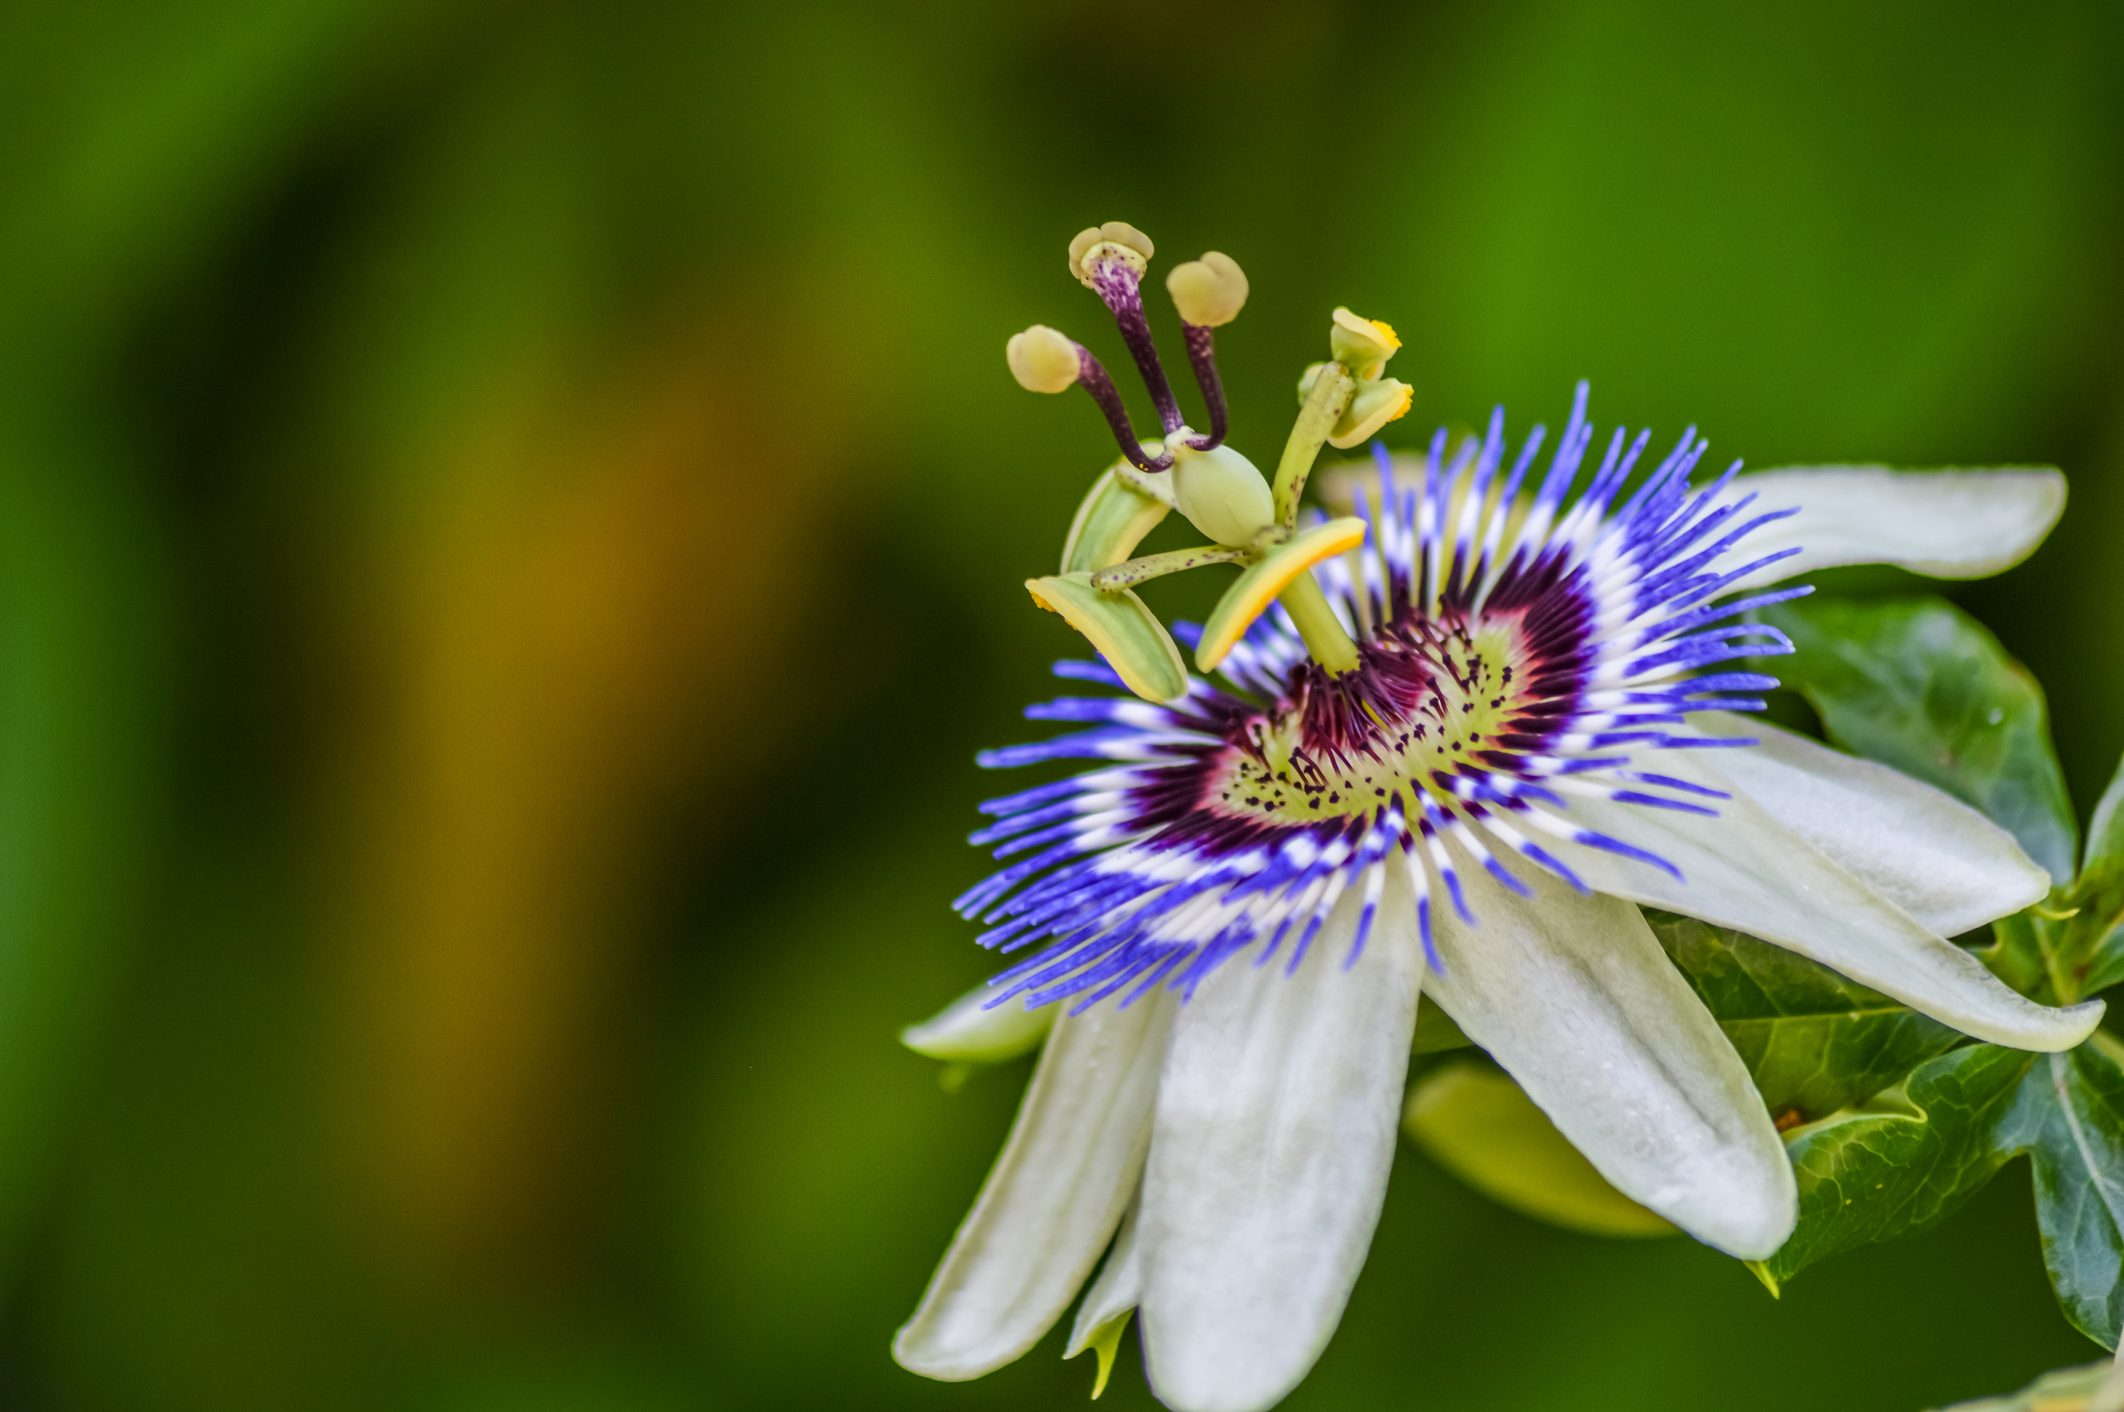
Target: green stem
2064, 976
1131, 572
1329, 399
1324, 638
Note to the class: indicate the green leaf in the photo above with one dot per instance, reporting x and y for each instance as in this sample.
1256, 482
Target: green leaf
2069, 951
1918, 684
1814, 1041
2024, 954
1902, 1162
2069, 1116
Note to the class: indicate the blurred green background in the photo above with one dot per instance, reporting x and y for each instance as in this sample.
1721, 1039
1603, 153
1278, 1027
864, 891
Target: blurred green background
510, 524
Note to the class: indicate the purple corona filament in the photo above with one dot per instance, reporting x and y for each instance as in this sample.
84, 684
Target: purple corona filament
1517, 650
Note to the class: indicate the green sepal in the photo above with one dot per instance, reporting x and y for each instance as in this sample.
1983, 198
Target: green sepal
1123, 630
1122, 507
969, 1031
1436, 1032
1813, 1041
1104, 1343
2069, 1117
1903, 1161
2072, 947
2024, 953
1921, 686
1473, 1120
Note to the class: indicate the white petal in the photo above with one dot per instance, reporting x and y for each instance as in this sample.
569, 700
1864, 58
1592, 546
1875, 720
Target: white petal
1479, 1124
1945, 524
1118, 1289
1053, 1200
1275, 1131
1746, 870
1924, 850
1574, 996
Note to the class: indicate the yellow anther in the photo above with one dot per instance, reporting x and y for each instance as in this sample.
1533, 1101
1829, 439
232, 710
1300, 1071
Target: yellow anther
1116, 240
1220, 492
1042, 359
1208, 292
1123, 630
1375, 404
1361, 345
1277, 570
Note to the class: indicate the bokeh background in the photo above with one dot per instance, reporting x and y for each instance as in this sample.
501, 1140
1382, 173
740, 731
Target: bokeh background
510, 524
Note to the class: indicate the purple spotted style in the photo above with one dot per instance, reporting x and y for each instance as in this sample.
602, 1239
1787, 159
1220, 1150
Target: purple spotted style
1513, 653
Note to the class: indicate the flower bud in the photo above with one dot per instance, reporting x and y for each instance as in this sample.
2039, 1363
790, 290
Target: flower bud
1116, 240
1042, 359
1208, 292
1361, 345
1220, 492
1375, 404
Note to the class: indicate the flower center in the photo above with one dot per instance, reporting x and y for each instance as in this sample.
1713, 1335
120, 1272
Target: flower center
1435, 708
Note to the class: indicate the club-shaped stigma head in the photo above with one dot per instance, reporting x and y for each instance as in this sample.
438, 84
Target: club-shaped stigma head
1209, 292
1117, 242
1043, 359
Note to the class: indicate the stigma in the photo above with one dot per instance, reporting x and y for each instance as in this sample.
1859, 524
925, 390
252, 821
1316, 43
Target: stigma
1250, 522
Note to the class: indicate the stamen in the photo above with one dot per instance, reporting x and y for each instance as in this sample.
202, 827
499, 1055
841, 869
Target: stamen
1134, 571
1324, 393
1362, 345
1375, 404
